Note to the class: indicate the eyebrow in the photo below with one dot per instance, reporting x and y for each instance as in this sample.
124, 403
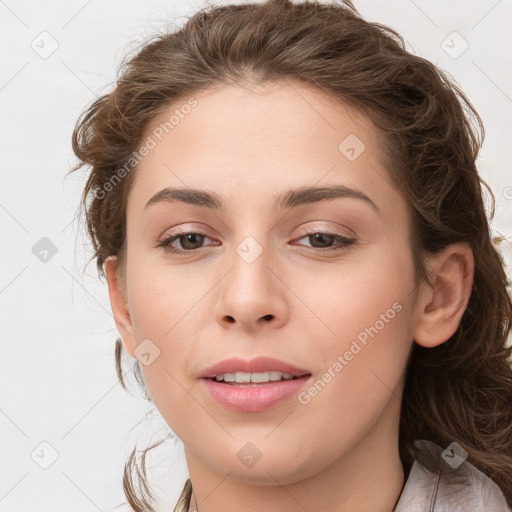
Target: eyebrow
288, 199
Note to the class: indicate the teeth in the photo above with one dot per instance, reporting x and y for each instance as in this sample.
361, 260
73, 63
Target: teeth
253, 377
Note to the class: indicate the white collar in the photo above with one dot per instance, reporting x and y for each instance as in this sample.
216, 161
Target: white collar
467, 489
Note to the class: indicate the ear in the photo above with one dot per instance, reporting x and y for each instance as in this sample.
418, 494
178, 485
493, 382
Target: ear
442, 302
119, 306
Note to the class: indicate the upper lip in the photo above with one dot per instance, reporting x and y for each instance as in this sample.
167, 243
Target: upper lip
256, 365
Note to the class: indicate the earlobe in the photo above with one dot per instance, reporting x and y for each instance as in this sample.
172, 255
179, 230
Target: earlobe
442, 303
119, 306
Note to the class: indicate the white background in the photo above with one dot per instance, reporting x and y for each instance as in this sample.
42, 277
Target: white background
58, 382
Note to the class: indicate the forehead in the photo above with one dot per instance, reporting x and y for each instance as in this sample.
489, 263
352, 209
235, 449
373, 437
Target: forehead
248, 141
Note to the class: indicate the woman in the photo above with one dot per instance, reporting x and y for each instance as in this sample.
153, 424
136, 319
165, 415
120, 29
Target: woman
286, 207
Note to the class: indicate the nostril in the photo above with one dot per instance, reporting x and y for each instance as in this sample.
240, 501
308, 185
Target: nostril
268, 317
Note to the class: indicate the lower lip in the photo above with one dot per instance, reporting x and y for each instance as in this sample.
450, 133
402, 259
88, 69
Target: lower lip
254, 398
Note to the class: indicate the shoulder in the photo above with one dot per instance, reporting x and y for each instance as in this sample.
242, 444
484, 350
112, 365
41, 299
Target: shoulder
463, 488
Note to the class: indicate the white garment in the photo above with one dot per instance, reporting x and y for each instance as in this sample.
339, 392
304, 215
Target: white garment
425, 491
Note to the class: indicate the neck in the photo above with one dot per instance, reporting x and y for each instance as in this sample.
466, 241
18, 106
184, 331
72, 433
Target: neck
367, 477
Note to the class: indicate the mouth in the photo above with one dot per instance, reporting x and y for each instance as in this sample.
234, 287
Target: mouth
258, 370
254, 397
255, 385
255, 379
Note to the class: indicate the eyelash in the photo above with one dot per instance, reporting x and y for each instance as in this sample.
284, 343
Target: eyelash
345, 241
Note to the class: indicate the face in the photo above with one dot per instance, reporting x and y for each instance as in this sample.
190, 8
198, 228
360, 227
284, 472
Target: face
323, 282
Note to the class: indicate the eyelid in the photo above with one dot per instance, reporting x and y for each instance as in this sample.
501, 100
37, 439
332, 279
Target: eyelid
304, 231
180, 232
328, 231
182, 229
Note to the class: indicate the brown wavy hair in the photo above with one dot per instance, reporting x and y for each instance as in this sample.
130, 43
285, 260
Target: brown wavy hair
458, 391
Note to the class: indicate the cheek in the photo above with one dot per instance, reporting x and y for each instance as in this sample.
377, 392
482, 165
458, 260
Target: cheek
165, 299
171, 305
370, 309
361, 382
364, 293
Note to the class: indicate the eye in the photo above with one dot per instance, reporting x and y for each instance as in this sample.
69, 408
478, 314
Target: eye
320, 239
190, 241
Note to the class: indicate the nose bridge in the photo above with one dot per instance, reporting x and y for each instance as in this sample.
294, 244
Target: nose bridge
252, 245
251, 274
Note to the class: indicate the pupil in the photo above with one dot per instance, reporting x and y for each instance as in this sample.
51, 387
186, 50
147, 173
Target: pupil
191, 236
319, 236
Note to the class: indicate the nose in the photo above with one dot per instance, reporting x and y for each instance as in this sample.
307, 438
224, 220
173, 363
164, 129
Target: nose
251, 296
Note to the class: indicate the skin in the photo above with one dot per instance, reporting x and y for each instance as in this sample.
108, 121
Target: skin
339, 452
